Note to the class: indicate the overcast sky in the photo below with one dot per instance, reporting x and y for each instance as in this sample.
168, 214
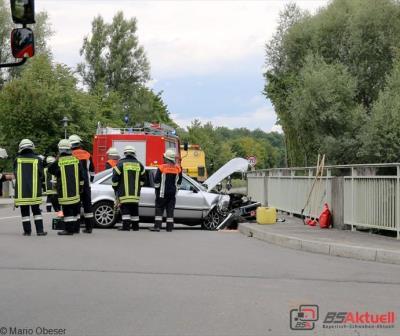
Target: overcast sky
206, 56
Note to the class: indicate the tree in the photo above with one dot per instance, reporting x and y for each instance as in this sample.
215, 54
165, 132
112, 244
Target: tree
33, 105
361, 36
381, 134
116, 65
113, 56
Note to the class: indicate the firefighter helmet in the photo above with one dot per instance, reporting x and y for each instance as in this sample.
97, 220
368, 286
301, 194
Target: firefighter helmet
129, 150
64, 146
170, 154
41, 157
50, 159
112, 151
25, 144
75, 140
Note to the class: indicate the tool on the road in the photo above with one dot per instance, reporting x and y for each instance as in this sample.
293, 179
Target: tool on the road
313, 195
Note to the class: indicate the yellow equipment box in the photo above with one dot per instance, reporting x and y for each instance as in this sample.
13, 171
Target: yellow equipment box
266, 215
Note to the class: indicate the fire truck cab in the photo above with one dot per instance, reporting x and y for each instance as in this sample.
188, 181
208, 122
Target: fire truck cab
150, 142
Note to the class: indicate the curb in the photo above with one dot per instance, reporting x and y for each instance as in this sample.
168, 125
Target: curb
315, 246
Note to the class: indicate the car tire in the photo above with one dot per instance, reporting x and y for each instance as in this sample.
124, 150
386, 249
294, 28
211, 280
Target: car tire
104, 214
212, 220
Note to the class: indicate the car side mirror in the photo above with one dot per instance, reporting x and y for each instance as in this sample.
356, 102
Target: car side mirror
22, 43
193, 189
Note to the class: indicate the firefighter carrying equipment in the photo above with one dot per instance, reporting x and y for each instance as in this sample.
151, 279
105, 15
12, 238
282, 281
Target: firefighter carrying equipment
128, 177
28, 185
69, 174
170, 155
25, 144
167, 180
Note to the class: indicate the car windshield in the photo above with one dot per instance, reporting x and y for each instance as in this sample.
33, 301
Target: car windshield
194, 182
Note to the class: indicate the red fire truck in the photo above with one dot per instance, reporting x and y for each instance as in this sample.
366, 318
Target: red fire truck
150, 142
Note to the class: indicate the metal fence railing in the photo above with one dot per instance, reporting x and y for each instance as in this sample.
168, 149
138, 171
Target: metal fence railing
370, 195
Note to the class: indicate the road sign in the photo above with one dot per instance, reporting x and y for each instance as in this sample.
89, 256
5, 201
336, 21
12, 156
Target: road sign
252, 160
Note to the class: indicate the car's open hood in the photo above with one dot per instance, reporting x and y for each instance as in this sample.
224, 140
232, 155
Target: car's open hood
233, 166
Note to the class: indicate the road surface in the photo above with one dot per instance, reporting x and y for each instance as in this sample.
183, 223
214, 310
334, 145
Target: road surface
189, 282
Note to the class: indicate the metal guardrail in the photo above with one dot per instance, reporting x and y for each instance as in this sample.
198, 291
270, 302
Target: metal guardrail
369, 199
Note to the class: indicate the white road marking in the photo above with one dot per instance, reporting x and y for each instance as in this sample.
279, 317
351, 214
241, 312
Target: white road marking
11, 217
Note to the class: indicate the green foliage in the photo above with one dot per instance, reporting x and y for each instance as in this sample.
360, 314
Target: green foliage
381, 135
113, 56
33, 105
116, 65
222, 144
325, 72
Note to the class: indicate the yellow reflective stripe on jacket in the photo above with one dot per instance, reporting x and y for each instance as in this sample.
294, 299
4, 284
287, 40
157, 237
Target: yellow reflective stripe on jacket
34, 199
129, 199
131, 166
117, 170
63, 162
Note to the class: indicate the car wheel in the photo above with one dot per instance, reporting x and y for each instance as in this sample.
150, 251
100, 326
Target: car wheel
104, 214
212, 220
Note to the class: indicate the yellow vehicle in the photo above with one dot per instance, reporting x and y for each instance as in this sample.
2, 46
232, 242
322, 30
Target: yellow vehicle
194, 162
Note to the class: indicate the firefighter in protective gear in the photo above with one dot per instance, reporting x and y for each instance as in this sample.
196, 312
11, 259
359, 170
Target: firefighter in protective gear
49, 187
70, 179
86, 197
128, 178
113, 157
167, 182
28, 172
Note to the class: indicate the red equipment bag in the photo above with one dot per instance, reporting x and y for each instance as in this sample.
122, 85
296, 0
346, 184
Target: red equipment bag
310, 222
325, 218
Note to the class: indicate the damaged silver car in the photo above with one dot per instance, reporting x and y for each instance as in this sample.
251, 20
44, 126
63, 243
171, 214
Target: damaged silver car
196, 204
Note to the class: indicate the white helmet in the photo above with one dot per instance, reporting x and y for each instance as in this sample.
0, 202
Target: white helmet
75, 140
129, 150
50, 159
41, 157
170, 154
64, 146
25, 144
112, 151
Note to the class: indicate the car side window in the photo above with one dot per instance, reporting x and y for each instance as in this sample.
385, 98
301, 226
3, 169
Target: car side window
186, 185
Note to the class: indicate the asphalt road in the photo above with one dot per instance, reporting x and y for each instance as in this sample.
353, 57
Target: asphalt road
189, 282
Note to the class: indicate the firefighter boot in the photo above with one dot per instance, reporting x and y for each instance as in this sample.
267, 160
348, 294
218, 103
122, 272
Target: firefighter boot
135, 223
157, 224
126, 223
39, 225
170, 224
26, 224
88, 225
69, 229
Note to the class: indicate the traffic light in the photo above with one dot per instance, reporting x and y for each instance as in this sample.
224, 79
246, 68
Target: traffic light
23, 11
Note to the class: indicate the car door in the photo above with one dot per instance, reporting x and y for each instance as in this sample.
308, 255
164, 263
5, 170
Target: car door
148, 196
190, 201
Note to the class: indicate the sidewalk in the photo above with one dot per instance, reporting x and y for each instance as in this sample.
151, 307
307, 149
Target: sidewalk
358, 245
